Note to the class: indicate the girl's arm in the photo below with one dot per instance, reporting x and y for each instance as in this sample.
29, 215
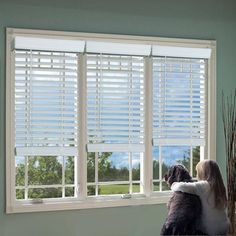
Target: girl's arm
185, 187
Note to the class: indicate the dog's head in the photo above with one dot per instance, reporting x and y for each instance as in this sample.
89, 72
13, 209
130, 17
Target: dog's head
177, 173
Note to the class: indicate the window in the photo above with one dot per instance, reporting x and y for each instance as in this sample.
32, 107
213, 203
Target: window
46, 130
96, 120
115, 123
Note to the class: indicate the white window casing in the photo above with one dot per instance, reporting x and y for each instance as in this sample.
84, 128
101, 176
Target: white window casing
79, 69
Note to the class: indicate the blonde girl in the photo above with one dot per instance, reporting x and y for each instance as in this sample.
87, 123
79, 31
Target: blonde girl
211, 190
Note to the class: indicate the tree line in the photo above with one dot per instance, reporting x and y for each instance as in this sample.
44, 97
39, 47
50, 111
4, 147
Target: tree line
47, 170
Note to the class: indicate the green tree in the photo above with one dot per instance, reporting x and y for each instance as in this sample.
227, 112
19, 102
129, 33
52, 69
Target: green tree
196, 159
20, 180
44, 171
104, 167
165, 168
41, 171
47, 170
69, 176
136, 172
186, 160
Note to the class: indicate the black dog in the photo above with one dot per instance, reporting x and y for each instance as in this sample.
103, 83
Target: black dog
184, 209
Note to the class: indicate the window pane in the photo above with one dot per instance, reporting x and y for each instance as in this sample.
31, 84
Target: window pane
172, 155
136, 188
91, 167
155, 156
114, 189
156, 186
136, 166
20, 171
165, 187
113, 166
196, 159
69, 191
20, 194
45, 193
44, 170
69, 170
91, 190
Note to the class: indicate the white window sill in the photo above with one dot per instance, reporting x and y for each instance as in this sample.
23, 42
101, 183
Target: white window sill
90, 202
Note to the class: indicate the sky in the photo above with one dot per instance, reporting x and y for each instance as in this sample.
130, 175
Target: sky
170, 156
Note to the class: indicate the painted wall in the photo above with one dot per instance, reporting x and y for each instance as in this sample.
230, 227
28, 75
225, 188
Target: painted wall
202, 19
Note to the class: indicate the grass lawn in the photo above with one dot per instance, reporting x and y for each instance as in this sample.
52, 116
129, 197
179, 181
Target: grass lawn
118, 189
124, 188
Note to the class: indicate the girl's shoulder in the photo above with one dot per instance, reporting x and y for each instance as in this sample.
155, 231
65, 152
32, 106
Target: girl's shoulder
202, 185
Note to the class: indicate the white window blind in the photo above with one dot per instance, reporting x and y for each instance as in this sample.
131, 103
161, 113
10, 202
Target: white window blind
45, 103
115, 103
118, 48
49, 44
183, 52
179, 95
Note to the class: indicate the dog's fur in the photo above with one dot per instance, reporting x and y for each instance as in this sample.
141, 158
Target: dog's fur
184, 209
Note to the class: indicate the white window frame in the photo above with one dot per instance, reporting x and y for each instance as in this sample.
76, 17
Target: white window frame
13, 206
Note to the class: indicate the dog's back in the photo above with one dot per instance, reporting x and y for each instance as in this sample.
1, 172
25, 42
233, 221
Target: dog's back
182, 217
184, 209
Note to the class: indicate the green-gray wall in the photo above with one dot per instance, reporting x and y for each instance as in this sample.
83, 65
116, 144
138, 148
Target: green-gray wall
200, 19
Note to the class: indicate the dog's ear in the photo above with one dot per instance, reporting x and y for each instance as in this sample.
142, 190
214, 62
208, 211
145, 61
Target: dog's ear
182, 174
171, 176
166, 176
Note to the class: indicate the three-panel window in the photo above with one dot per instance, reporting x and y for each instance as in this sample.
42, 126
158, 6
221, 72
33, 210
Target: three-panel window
96, 121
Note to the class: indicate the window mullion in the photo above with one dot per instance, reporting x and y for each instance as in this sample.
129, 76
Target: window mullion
146, 175
82, 160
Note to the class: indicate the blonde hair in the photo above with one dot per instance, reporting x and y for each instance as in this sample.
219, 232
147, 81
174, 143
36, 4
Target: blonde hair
209, 170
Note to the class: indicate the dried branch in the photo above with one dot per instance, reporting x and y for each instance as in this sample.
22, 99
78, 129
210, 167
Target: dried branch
229, 124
